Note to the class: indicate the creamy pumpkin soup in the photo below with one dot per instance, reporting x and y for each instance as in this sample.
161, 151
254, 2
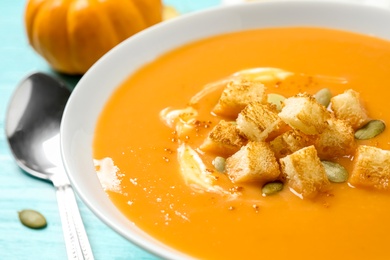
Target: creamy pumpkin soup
175, 146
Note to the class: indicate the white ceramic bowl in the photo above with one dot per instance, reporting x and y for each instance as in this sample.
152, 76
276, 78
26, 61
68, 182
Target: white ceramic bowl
94, 89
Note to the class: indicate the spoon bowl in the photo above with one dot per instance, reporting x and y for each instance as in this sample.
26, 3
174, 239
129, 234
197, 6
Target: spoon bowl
33, 124
32, 128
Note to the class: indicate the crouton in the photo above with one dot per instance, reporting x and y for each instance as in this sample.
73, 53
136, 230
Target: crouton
371, 168
259, 121
305, 173
336, 140
253, 162
224, 139
304, 113
289, 142
349, 107
237, 94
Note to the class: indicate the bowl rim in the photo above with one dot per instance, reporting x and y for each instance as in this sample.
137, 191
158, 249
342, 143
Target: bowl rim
77, 135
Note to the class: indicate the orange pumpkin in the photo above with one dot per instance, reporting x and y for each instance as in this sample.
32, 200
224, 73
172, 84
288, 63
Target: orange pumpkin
73, 34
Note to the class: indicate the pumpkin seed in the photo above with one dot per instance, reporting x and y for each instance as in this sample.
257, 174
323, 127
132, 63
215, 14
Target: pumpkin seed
370, 130
32, 219
323, 96
335, 172
219, 163
272, 187
276, 100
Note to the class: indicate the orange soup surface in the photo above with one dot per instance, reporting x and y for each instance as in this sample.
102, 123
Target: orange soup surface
346, 223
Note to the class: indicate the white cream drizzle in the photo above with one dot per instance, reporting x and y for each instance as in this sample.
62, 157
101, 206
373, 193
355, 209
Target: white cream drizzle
107, 173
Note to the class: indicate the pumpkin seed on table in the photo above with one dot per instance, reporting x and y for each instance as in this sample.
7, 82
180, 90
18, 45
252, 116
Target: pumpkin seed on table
335, 172
219, 163
276, 100
32, 219
271, 188
323, 97
370, 130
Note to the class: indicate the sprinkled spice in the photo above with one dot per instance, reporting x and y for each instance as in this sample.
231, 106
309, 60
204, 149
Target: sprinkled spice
236, 189
168, 150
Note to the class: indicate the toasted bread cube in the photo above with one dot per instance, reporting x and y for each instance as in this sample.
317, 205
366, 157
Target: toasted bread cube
349, 107
338, 139
237, 94
224, 139
259, 121
290, 142
305, 172
304, 113
254, 162
371, 168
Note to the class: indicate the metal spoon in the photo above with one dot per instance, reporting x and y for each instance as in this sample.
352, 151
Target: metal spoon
32, 128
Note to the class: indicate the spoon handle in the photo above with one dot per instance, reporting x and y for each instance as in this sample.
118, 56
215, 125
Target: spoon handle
76, 240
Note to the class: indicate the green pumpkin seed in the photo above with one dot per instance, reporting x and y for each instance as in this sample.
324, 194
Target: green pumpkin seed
323, 97
272, 187
219, 163
335, 172
276, 100
370, 130
32, 219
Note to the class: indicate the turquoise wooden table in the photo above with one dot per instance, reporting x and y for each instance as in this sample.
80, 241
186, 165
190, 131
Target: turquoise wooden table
18, 190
